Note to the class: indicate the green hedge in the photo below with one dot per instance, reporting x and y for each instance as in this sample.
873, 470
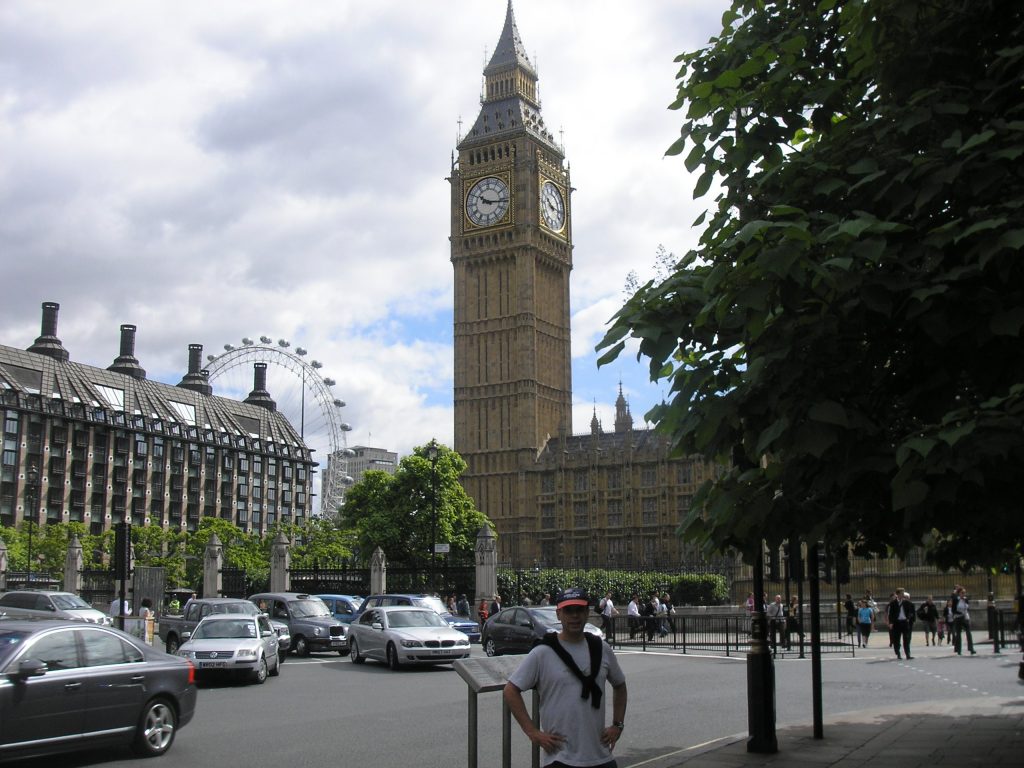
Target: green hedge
685, 588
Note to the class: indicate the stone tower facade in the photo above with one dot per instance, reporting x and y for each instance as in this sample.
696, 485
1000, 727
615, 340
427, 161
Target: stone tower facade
602, 499
511, 249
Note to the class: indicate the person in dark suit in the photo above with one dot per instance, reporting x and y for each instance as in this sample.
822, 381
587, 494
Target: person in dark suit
900, 613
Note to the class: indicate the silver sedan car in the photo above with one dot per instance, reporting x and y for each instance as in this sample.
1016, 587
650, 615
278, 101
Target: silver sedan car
401, 635
234, 643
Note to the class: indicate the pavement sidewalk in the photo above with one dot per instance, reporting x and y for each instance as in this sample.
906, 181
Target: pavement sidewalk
979, 731
984, 731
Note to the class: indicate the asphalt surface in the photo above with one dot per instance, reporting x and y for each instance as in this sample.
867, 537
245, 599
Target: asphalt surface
683, 710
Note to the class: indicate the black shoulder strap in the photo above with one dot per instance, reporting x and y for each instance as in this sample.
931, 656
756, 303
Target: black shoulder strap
590, 688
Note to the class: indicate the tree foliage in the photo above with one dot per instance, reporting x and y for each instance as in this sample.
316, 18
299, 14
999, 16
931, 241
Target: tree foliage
396, 512
848, 331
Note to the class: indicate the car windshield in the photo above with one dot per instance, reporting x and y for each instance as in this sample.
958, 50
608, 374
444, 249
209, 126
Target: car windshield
433, 603
70, 603
225, 628
415, 619
305, 609
10, 641
547, 617
243, 607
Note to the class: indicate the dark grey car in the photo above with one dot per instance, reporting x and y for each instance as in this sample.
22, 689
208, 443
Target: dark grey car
310, 622
67, 686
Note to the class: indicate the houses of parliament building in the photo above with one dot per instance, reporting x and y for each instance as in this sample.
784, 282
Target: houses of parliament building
555, 497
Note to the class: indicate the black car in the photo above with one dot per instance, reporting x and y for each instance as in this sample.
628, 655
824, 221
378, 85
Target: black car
67, 686
517, 630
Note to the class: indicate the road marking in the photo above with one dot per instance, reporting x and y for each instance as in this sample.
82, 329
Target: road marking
659, 758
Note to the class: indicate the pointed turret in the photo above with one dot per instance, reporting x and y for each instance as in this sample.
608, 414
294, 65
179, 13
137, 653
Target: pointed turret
510, 101
623, 418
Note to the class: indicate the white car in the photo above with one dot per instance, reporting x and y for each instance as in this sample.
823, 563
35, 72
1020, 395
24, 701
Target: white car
234, 643
402, 635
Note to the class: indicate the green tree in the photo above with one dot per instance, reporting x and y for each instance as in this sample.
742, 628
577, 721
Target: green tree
848, 331
248, 551
396, 512
318, 540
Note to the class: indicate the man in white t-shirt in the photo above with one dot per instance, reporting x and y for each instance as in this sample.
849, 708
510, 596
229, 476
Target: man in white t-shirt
572, 731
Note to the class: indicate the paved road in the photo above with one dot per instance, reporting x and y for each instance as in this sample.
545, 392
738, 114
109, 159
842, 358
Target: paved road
327, 711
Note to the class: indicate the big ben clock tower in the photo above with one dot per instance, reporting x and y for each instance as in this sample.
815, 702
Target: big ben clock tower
511, 241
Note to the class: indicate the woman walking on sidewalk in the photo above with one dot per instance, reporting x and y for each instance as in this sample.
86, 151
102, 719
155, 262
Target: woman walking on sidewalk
865, 622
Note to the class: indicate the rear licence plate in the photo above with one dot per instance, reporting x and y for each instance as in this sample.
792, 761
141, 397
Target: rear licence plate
212, 664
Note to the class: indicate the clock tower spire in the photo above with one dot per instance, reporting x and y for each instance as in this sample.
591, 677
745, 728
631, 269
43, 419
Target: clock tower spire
511, 250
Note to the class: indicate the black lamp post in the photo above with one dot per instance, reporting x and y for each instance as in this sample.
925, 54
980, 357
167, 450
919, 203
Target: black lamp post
31, 500
432, 455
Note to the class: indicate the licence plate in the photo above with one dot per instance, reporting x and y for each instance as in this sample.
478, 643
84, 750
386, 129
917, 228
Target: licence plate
440, 653
335, 641
212, 664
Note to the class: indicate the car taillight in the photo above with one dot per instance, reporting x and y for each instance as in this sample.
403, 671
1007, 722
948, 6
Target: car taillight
191, 673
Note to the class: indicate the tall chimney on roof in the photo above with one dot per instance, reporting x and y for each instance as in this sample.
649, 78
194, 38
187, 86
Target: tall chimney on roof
259, 395
48, 343
126, 362
194, 379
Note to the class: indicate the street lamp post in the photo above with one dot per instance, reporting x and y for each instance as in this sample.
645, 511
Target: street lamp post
432, 455
31, 477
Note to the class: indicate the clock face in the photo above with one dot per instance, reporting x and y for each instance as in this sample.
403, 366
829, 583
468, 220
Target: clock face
487, 201
552, 206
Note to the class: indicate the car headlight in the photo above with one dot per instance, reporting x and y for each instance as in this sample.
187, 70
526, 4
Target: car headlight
463, 641
318, 631
186, 654
412, 644
246, 653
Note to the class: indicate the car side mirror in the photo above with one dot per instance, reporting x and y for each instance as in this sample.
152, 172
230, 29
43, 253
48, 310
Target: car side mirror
29, 668
265, 633
186, 635
377, 625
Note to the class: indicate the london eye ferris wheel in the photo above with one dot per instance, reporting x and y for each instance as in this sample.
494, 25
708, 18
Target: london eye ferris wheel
305, 397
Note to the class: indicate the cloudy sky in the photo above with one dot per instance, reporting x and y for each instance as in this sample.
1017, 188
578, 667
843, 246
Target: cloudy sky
214, 170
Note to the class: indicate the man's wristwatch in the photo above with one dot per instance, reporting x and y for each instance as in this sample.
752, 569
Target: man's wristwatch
620, 725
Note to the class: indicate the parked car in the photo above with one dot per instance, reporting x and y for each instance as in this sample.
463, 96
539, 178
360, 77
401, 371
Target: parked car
49, 604
343, 607
68, 685
310, 623
234, 643
467, 626
174, 629
518, 629
400, 636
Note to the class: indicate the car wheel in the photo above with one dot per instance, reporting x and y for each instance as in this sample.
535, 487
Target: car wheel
172, 644
355, 655
155, 731
489, 648
393, 656
259, 675
301, 646
276, 669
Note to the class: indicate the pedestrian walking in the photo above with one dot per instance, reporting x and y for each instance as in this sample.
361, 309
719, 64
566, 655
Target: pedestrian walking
633, 616
777, 621
962, 623
572, 729
900, 615
608, 611
865, 623
928, 613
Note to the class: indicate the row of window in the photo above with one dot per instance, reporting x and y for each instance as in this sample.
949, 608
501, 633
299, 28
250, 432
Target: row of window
685, 473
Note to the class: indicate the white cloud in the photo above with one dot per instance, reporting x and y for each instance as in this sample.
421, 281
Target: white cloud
214, 171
